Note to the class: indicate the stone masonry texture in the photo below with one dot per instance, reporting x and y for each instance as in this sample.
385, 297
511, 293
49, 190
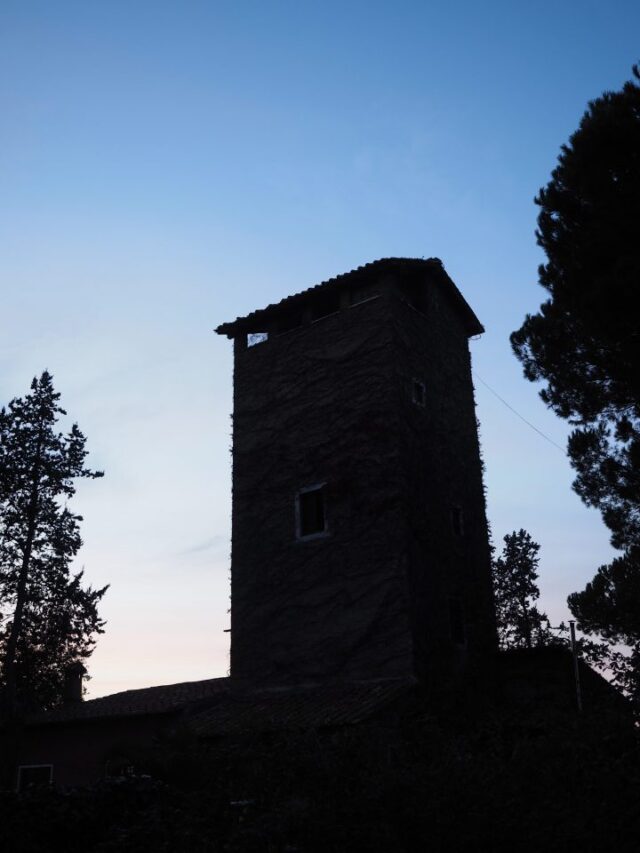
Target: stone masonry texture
364, 386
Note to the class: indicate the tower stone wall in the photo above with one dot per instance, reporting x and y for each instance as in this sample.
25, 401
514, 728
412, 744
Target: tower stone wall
359, 537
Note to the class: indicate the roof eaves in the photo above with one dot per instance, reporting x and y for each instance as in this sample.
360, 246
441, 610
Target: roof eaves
249, 321
146, 701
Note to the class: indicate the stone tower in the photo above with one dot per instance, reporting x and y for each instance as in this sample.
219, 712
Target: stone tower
359, 535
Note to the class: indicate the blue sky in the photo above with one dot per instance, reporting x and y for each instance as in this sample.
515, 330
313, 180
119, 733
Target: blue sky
165, 167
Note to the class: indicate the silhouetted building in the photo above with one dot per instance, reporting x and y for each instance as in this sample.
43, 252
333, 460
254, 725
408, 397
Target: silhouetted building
359, 541
361, 577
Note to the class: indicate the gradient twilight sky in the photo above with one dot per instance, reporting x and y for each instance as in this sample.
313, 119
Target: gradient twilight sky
167, 166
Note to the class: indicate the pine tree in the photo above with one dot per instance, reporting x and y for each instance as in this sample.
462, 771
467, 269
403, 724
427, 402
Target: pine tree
515, 573
585, 340
608, 608
48, 620
584, 343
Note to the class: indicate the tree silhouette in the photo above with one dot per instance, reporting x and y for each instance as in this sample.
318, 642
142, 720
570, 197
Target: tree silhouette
585, 343
48, 620
585, 340
515, 572
609, 607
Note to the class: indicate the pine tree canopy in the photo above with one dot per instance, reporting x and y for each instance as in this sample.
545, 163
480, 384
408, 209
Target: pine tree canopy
585, 341
609, 604
515, 573
48, 620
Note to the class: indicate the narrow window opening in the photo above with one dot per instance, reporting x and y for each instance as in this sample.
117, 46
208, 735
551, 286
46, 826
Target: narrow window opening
457, 520
456, 622
310, 512
254, 338
419, 393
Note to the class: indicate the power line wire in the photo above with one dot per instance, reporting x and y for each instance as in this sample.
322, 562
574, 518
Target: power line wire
528, 423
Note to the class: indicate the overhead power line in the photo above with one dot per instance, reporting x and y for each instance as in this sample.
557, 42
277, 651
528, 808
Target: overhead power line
511, 409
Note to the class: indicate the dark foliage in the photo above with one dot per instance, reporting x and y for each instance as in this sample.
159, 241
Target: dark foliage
585, 341
609, 604
609, 607
515, 573
585, 344
502, 784
48, 620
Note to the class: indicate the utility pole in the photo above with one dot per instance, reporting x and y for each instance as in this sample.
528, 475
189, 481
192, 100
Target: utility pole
576, 670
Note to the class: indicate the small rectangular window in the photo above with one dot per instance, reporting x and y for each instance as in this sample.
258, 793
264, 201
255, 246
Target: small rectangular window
34, 776
310, 512
254, 338
456, 622
457, 520
419, 393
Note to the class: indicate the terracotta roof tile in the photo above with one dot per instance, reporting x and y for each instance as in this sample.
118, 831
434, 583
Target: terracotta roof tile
221, 706
302, 708
148, 700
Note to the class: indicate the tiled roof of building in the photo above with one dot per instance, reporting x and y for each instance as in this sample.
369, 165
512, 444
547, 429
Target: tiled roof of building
220, 706
147, 700
546, 676
299, 708
434, 265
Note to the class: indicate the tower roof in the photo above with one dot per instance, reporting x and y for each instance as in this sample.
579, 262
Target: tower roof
431, 267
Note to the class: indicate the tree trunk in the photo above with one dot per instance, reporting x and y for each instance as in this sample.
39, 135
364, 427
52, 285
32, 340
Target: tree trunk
526, 623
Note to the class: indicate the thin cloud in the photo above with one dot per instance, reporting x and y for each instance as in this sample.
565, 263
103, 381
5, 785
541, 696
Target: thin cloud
210, 544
